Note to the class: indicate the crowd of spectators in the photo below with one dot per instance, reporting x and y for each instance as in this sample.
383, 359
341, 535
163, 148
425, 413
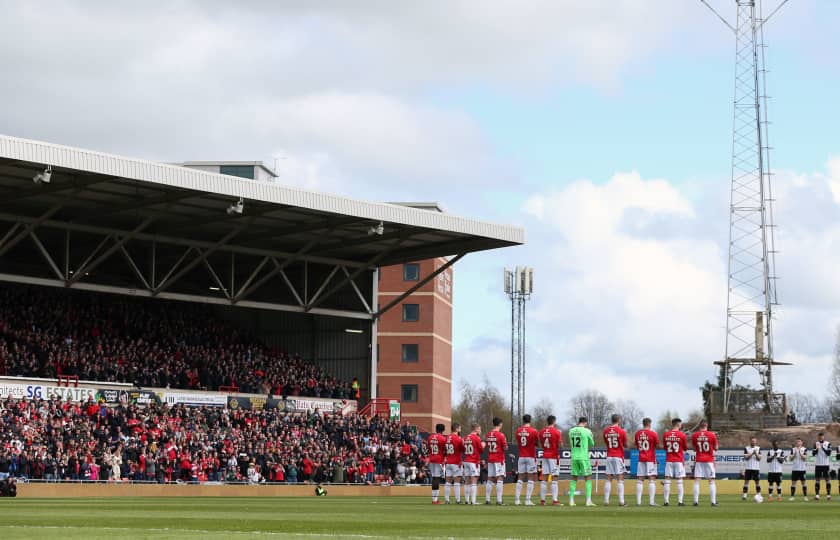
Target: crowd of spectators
57, 440
153, 343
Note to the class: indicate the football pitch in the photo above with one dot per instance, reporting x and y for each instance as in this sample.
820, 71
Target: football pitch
403, 517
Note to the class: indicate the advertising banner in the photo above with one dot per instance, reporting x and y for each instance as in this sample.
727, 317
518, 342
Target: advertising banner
143, 398
195, 400
394, 410
33, 391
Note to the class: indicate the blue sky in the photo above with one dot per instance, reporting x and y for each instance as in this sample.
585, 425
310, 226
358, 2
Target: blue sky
602, 127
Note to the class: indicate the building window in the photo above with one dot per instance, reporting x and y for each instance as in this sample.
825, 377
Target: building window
411, 312
410, 352
409, 393
242, 171
411, 272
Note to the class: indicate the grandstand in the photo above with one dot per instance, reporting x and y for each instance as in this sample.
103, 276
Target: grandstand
147, 306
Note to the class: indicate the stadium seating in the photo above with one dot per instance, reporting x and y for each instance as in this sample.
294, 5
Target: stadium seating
50, 332
54, 440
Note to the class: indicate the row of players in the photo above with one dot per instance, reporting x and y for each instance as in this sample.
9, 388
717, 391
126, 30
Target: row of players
452, 457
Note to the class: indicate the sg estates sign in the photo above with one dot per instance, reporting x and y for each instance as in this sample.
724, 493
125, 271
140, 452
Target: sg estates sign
33, 391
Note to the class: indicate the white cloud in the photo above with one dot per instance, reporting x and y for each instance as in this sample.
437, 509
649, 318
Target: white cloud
632, 283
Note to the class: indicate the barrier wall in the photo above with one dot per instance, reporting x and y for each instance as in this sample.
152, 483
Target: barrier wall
36, 490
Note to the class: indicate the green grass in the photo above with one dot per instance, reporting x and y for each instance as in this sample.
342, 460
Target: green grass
402, 517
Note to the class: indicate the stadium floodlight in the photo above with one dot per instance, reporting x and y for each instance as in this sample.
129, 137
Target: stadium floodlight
378, 229
237, 207
43, 177
519, 286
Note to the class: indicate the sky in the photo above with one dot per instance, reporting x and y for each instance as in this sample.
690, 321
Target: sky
602, 127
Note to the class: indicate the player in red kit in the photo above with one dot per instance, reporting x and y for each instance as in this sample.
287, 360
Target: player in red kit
705, 444
675, 444
526, 439
496, 446
452, 458
616, 440
550, 439
646, 441
437, 446
473, 447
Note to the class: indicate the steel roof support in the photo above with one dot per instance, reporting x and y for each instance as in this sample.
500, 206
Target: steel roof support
419, 284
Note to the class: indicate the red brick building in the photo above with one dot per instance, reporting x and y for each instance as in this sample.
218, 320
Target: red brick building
415, 343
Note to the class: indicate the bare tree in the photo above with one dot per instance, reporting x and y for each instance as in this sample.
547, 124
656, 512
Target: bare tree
480, 404
833, 400
663, 424
631, 414
542, 409
593, 405
808, 408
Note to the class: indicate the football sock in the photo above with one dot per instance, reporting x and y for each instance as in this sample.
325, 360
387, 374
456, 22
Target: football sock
457, 492
446, 488
804, 490
696, 490
474, 492
746, 488
792, 490
713, 491
518, 492
680, 490
467, 490
555, 490
758, 488
828, 488
435, 494
607, 489
640, 487
543, 489
500, 490
620, 492
488, 490
817, 487
572, 489
652, 491
589, 491
529, 490
666, 491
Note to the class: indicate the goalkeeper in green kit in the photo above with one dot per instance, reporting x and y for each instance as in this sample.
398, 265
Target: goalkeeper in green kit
581, 441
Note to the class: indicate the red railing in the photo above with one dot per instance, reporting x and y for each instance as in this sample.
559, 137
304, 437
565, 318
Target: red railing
377, 407
66, 380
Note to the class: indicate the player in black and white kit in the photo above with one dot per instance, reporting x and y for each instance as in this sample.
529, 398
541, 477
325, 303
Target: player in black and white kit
775, 460
822, 451
752, 467
798, 456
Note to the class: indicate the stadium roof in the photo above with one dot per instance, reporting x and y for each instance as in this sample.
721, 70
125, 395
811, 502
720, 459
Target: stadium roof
112, 204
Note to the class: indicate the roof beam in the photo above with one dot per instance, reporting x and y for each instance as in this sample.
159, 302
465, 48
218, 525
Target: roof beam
17, 194
172, 240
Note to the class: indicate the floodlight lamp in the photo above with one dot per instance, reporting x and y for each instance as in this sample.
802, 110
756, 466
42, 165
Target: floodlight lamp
43, 177
236, 208
378, 229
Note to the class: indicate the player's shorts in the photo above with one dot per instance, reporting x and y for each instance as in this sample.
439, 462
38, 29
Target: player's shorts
495, 469
527, 465
646, 468
550, 466
751, 475
453, 470
581, 467
704, 469
471, 469
821, 471
674, 469
774, 478
615, 466
436, 470
797, 476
